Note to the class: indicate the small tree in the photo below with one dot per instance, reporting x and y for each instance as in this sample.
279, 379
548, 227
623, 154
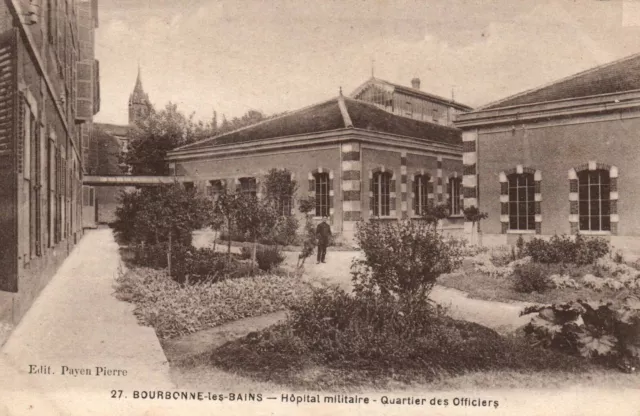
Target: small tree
433, 213
402, 259
225, 208
279, 189
474, 215
309, 242
255, 218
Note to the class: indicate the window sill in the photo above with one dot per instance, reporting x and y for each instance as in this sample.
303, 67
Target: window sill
457, 216
587, 232
521, 231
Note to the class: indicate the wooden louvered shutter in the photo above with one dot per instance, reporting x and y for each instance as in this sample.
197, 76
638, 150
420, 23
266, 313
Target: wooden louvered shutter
8, 161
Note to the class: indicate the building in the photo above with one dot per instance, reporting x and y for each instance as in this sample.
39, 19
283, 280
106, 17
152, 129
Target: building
104, 201
50, 92
559, 159
409, 102
357, 160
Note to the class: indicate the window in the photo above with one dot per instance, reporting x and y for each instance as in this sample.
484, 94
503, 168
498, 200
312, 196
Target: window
409, 109
188, 186
322, 194
248, 186
455, 196
420, 192
283, 198
522, 207
215, 189
435, 116
593, 200
381, 194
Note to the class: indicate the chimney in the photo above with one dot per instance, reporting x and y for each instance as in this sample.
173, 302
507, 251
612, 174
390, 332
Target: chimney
415, 83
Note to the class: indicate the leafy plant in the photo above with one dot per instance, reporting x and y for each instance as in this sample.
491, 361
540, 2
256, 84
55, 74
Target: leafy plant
433, 213
269, 257
562, 249
254, 217
309, 243
402, 258
474, 215
606, 332
532, 277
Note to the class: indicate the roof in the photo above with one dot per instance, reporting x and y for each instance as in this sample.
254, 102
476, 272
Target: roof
618, 76
329, 116
410, 91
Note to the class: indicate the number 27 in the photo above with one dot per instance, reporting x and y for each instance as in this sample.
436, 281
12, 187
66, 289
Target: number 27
116, 394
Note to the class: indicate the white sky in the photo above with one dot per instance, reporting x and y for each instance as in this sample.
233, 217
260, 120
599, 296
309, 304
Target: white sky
274, 55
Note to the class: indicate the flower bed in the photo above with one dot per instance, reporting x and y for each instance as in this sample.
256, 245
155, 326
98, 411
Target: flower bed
174, 309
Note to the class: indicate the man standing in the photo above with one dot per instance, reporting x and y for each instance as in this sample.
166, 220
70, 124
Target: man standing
323, 233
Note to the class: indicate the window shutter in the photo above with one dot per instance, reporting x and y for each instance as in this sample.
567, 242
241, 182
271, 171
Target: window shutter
8, 159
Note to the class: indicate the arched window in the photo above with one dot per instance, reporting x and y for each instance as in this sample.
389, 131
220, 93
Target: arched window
522, 207
215, 189
421, 192
455, 196
594, 200
322, 193
381, 194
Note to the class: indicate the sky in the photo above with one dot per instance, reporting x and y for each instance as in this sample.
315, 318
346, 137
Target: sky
275, 55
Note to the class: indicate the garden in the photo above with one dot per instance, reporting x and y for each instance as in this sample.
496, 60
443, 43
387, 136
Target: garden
385, 331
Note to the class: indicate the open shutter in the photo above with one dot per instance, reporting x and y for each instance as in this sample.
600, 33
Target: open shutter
8, 161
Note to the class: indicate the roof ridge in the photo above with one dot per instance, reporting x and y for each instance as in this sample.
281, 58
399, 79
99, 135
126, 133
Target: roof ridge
346, 118
557, 81
279, 116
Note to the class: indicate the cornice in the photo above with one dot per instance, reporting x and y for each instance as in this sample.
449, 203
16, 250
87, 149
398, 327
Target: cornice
606, 103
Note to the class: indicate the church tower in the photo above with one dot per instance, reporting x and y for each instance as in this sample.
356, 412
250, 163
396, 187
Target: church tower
139, 104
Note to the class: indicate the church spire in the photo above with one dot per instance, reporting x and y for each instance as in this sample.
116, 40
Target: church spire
139, 104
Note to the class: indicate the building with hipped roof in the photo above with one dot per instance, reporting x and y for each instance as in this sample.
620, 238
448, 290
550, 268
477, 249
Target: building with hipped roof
559, 159
358, 161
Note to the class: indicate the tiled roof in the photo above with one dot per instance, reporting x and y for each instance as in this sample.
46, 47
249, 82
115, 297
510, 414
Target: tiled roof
327, 116
618, 76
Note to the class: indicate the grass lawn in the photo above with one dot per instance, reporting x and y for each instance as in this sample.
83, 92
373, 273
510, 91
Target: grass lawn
482, 286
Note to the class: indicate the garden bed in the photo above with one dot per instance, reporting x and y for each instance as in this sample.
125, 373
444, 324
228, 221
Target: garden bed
282, 354
174, 309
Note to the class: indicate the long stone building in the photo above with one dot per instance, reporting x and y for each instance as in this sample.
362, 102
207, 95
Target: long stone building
49, 86
559, 159
358, 160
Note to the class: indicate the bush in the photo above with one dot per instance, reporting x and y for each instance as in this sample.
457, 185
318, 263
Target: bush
532, 277
150, 255
268, 258
173, 309
562, 249
402, 258
606, 332
156, 214
380, 336
194, 265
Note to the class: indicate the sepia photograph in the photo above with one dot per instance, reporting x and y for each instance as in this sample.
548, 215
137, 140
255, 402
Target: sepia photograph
387, 207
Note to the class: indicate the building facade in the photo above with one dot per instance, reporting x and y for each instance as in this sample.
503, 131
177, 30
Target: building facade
49, 83
357, 161
409, 102
559, 159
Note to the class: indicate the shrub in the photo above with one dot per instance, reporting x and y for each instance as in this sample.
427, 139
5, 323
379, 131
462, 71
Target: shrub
379, 336
606, 332
150, 255
268, 258
173, 309
532, 277
156, 214
562, 249
402, 258
193, 265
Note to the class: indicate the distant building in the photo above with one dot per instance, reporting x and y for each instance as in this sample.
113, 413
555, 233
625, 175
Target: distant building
106, 198
409, 102
559, 159
50, 93
356, 160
